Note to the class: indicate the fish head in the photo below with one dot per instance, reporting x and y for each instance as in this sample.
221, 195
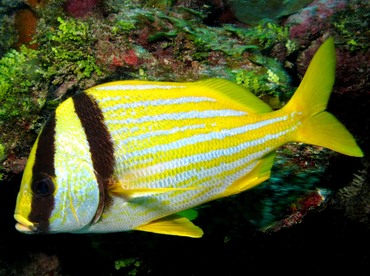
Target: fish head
48, 204
35, 195
34, 192
59, 190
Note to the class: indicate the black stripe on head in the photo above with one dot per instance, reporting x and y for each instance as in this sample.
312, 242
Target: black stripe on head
100, 143
43, 172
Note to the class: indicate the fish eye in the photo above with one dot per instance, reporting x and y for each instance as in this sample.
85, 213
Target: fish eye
43, 188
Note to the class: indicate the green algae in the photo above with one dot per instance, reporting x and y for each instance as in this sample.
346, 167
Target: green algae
269, 79
207, 38
353, 28
122, 26
18, 71
130, 265
65, 52
20, 103
265, 35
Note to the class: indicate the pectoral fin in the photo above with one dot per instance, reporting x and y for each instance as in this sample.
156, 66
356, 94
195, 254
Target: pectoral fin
173, 225
128, 193
190, 214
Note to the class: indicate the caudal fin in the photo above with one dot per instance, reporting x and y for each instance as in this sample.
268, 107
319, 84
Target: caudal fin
319, 127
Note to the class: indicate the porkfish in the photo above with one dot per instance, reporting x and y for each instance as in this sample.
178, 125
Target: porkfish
133, 155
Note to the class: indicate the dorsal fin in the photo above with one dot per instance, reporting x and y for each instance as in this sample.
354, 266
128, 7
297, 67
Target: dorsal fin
232, 91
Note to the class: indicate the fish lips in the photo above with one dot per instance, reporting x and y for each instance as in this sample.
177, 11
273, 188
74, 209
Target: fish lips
24, 225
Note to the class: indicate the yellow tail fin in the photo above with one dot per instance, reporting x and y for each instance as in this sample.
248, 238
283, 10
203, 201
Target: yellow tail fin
319, 127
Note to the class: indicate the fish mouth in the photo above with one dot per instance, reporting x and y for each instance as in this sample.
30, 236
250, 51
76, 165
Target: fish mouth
24, 225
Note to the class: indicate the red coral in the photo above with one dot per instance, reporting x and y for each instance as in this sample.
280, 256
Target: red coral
308, 24
298, 210
81, 8
130, 58
126, 58
110, 56
117, 62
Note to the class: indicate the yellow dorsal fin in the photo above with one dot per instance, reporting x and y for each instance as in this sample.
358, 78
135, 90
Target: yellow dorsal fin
119, 190
259, 174
173, 225
231, 91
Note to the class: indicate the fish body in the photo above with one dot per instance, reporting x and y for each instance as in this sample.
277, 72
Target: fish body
132, 155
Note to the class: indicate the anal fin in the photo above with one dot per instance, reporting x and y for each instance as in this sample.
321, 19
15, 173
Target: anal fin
259, 174
173, 225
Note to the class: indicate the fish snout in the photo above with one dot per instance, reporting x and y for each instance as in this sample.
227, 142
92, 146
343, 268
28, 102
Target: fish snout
24, 225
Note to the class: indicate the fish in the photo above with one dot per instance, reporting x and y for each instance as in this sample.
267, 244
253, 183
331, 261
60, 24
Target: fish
138, 155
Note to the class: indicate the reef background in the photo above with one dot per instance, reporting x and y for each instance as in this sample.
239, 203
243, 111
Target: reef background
310, 218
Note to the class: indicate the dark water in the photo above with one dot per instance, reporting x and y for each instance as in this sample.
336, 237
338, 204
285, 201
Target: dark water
324, 243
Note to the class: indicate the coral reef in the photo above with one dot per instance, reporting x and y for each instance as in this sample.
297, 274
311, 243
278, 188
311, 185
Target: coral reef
354, 197
25, 23
281, 202
66, 56
252, 11
351, 25
309, 23
269, 82
17, 73
20, 103
81, 8
24, 16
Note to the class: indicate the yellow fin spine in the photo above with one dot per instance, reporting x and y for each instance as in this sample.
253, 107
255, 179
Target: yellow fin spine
232, 92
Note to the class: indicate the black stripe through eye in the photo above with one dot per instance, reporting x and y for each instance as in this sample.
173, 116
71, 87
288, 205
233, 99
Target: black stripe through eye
42, 186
